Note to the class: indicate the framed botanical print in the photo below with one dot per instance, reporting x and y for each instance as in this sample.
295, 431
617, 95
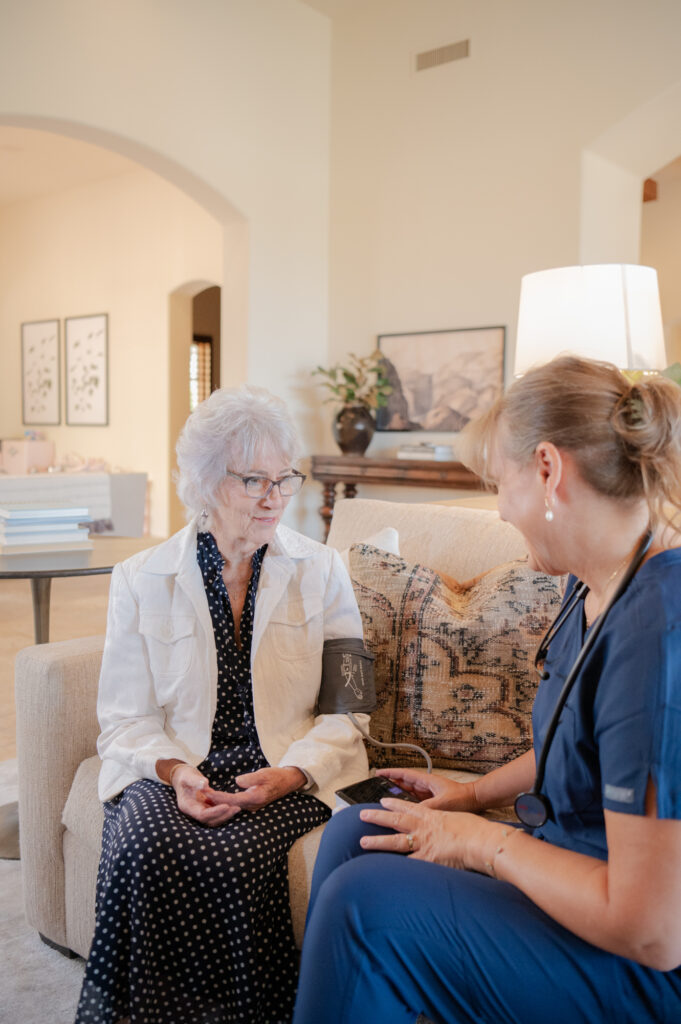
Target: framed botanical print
40, 382
87, 371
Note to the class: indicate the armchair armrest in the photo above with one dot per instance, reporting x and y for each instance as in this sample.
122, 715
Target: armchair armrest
56, 698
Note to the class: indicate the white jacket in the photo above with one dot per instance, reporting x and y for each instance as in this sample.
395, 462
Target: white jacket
158, 685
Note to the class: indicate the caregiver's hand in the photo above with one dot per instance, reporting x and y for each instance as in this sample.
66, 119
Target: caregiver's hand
435, 791
452, 838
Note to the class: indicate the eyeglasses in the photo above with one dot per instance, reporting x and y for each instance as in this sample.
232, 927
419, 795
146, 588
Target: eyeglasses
261, 486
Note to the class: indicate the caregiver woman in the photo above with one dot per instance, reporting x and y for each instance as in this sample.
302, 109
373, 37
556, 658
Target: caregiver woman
214, 760
580, 920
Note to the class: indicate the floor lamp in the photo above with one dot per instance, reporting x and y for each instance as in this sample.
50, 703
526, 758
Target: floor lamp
604, 311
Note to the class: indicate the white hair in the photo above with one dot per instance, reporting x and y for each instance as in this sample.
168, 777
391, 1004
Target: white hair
226, 431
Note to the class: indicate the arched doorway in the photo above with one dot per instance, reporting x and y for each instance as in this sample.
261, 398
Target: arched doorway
132, 439
194, 311
204, 359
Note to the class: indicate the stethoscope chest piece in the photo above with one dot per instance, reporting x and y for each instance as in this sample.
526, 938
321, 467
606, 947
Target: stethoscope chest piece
532, 809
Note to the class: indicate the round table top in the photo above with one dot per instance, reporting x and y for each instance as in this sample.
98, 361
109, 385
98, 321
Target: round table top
101, 558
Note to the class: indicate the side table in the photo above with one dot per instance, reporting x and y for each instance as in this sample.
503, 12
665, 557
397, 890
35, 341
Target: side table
351, 470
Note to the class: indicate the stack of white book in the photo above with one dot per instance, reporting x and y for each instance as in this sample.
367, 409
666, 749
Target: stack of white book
29, 529
425, 450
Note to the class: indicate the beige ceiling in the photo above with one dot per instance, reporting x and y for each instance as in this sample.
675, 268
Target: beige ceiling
36, 163
328, 7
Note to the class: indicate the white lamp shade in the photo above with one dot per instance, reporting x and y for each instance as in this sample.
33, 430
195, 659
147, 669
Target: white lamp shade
609, 312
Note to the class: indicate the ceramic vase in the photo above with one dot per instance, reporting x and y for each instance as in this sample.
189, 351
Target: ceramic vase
353, 428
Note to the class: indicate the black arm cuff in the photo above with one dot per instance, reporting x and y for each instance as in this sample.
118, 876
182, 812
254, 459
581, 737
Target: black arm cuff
347, 678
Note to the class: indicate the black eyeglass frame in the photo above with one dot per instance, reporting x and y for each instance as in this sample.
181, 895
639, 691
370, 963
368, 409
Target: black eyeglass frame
295, 475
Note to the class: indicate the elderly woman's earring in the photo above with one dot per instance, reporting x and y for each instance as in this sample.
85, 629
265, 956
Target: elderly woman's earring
548, 515
204, 515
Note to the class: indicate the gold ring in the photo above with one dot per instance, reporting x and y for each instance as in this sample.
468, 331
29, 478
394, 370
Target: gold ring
410, 843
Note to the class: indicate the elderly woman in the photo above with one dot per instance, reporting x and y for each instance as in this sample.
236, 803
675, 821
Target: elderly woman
577, 915
214, 757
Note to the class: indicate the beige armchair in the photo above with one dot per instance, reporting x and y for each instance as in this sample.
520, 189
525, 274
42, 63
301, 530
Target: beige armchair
56, 694
61, 817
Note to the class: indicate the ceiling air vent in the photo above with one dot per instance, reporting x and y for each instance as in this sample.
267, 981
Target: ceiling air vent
442, 55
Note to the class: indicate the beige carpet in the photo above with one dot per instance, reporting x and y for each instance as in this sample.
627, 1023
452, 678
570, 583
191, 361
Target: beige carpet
38, 985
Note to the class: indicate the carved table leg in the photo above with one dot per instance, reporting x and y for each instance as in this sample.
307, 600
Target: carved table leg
326, 511
349, 490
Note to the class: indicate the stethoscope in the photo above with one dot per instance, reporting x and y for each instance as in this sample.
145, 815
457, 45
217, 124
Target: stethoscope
533, 808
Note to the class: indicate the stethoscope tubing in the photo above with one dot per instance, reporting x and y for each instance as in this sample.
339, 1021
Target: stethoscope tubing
579, 591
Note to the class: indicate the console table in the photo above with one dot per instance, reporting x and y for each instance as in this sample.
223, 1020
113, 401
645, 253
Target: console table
351, 470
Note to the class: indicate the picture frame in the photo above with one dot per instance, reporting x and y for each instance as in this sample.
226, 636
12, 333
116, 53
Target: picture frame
40, 374
87, 370
441, 379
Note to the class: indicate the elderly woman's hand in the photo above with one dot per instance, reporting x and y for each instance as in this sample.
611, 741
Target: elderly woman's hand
197, 799
453, 838
267, 784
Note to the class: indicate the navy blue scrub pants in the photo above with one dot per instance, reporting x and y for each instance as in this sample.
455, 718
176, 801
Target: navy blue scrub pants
388, 938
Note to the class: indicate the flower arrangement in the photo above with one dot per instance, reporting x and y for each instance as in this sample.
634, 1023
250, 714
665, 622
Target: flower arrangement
361, 382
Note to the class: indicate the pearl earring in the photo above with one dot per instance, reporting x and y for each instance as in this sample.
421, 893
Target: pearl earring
204, 514
548, 515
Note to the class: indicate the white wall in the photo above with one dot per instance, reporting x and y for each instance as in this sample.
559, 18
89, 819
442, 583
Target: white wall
661, 248
449, 184
228, 99
118, 246
610, 214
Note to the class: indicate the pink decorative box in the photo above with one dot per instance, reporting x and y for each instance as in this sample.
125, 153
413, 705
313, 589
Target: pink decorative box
21, 456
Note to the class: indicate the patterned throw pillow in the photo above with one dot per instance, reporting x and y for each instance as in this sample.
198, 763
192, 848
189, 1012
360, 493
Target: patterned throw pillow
454, 661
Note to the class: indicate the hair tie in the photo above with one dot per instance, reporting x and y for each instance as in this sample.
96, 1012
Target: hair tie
632, 407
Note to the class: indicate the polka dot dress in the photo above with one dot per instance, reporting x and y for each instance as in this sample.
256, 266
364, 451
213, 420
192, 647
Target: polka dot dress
193, 923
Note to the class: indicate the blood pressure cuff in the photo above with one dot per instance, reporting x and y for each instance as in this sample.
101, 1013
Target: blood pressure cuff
347, 678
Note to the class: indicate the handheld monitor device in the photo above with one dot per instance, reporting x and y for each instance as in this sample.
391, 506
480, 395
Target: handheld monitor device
372, 791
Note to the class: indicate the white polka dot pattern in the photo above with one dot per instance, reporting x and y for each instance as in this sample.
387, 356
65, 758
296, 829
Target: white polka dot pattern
193, 923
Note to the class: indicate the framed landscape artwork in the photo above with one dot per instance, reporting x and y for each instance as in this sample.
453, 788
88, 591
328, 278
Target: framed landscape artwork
40, 395
87, 385
441, 379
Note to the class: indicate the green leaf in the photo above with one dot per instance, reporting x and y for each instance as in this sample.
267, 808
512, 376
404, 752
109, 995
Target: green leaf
673, 372
361, 382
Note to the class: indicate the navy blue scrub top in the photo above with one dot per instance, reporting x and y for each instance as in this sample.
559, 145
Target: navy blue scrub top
622, 721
